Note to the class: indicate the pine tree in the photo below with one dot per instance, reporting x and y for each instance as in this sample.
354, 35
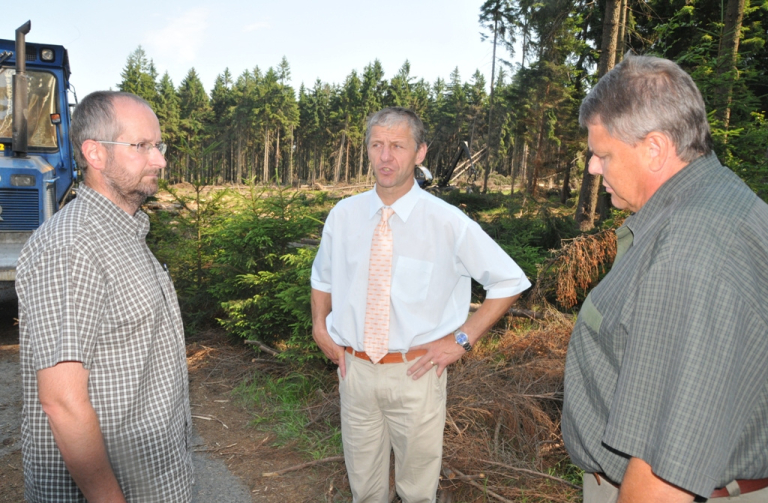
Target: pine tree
139, 77
194, 113
167, 111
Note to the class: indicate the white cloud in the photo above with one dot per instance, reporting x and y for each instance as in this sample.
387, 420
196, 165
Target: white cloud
256, 26
181, 38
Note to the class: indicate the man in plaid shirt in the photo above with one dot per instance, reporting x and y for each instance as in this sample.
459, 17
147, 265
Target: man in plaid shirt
106, 402
666, 378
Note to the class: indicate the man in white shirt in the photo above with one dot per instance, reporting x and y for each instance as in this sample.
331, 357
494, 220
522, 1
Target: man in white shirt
399, 401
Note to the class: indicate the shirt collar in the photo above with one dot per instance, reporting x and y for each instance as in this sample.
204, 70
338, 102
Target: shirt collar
114, 216
668, 196
403, 206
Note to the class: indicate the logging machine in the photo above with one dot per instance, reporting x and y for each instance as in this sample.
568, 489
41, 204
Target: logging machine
444, 174
37, 168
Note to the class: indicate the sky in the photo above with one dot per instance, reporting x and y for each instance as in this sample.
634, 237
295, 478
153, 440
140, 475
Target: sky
324, 39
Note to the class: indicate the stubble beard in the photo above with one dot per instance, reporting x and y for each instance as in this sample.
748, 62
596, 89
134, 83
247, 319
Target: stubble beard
120, 185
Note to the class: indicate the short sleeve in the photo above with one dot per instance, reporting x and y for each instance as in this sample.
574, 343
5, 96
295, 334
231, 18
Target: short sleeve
489, 265
64, 301
321, 267
689, 374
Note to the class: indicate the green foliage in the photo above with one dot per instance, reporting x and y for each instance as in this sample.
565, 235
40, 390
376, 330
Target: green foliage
693, 34
525, 230
181, 240
262, 277
139, 76
567, 471
278, 310
745, 152
283, 403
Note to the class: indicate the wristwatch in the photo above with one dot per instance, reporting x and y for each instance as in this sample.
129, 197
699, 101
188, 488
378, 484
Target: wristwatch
462, 340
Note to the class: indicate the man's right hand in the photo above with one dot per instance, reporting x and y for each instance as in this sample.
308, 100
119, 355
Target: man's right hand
330, 349
321, 307
63, 394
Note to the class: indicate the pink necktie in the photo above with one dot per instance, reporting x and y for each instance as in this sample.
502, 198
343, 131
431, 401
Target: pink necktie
379, 283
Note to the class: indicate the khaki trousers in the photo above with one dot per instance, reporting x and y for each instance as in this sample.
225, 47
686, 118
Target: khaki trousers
608, 493
383, 409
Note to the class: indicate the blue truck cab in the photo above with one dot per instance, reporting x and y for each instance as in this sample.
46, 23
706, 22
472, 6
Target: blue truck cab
37, 167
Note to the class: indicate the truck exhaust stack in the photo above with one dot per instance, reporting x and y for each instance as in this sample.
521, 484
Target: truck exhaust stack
20, 94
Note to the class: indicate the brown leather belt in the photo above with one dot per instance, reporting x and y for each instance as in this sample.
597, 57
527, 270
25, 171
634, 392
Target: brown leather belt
390, 357
745, 486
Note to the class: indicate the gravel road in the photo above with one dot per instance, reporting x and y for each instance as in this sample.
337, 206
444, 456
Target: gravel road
213, 481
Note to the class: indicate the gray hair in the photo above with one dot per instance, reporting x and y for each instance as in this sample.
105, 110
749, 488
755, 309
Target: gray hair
394, 116
644, 94
95, 119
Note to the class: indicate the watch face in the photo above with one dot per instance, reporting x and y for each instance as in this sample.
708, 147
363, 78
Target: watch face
461, 338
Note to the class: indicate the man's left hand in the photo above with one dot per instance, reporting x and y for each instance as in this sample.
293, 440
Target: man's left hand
440, 354
444, 351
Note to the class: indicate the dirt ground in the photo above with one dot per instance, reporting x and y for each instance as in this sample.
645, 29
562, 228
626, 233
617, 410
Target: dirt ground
216, 366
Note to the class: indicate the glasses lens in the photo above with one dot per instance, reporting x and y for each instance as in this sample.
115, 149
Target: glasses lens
146, 147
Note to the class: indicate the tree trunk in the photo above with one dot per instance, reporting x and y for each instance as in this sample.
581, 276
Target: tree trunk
726, 59
621, 38
346, 164
290, 159
514, 170
239, 179
524, 165
360, 159
610, 36
490, 108
337, 168
278, 174
524, 47
590, 185
533, 181
565, 193
266, 156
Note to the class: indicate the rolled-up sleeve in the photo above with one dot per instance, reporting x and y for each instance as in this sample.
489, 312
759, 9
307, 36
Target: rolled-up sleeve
489, 265
321, 267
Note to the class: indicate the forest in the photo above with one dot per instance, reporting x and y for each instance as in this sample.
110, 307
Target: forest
254, 166
522, 118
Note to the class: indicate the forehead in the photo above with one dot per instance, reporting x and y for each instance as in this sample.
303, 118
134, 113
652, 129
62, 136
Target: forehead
137, 121
596, 133
400, 132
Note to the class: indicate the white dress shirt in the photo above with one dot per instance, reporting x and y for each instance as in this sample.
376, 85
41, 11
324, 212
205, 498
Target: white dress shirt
437, 252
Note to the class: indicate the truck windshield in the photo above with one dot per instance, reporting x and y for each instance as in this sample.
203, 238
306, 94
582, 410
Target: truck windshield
42, 103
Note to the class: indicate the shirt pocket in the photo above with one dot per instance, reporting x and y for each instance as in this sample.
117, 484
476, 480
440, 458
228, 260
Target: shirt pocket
410, 281
590, 315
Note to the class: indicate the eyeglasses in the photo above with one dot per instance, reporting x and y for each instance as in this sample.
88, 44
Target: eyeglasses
143, 147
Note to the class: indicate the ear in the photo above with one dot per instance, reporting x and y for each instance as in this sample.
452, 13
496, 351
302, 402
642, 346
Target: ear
421, 153
658, 149
95, 154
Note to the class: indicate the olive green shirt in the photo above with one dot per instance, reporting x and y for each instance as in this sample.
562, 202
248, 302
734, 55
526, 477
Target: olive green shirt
668, 360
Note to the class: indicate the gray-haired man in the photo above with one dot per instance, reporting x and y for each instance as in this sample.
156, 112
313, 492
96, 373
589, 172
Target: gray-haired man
106, 402
666, 381
391, 285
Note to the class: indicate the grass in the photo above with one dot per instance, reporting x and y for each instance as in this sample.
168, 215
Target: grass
285, 404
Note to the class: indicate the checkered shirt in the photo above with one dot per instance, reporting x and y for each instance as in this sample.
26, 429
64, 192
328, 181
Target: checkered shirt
91, 291
668, 361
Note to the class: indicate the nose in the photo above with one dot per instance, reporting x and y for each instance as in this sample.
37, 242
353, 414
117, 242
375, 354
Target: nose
156, 158
595, 167
386, 153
